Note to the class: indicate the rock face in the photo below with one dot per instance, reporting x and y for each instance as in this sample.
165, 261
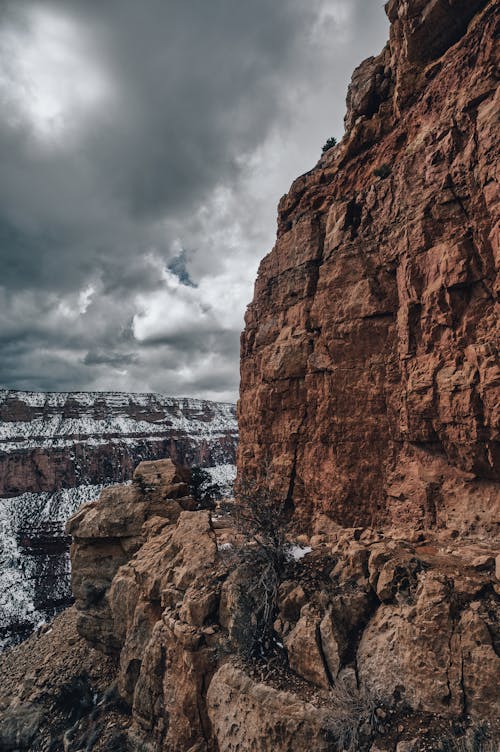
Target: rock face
375, 637
145, 584
58, 450
247, 714
368, 623
370, 377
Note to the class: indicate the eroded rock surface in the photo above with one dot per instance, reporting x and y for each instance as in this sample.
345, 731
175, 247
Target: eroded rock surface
410, 627
369, 363
248, 714
373, 635
57, 451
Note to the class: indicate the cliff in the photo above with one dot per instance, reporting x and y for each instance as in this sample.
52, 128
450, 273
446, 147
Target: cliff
59, 450
55, 440
370, 384
369, 423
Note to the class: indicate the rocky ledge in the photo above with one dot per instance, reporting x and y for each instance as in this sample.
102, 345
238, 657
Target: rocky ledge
378, 642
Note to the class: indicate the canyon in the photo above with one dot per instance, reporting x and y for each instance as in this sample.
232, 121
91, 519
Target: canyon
349, 599
59, 450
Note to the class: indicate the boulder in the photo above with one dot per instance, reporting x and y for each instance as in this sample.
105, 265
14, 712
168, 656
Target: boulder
303, 646
246, 714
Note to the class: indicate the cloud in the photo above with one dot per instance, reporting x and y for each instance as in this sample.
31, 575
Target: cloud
144, 147
109, 358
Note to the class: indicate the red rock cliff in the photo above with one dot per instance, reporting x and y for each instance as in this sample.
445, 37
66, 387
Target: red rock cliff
369, 361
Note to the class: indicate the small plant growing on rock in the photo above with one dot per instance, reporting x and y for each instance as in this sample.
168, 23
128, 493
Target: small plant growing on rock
353, 716
332, 141
383, 171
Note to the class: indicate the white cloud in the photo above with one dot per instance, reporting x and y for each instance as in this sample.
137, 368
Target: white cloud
171, 313
175, 310
49, 75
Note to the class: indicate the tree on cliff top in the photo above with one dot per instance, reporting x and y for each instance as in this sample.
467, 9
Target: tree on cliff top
331, 142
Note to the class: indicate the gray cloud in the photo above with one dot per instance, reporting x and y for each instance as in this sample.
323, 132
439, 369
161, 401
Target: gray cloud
110, 358
144, 147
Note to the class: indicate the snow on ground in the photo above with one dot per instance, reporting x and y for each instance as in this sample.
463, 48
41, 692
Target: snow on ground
298, 552
224, 476
31, 576
76, 417
22, 519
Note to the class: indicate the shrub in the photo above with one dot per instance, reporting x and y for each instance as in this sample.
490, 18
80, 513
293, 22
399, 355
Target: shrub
260, 517
75, 698
332, 141
383, 171
477, 739
201, 488
352, 720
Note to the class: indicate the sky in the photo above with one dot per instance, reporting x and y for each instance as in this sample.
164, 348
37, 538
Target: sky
144, 147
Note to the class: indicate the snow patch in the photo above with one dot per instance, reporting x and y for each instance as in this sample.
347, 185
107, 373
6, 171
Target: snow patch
23, 519
224, 546
224, 476
297, 552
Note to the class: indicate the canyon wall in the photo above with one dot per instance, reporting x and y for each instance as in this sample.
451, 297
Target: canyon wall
369, 404
55, 440
59, 450
370, 381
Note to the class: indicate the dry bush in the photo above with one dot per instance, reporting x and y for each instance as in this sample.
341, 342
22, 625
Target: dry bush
352, 720
477, 739
260, 517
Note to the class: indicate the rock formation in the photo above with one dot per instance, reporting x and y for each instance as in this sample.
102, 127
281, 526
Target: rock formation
378, 641
58, 450
369, 410
369, 363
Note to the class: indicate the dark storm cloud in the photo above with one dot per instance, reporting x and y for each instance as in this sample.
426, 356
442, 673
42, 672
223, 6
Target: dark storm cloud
191, 87
131, 131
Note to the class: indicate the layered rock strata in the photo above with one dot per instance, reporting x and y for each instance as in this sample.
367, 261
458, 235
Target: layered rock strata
55, 440
57, 451
370, 380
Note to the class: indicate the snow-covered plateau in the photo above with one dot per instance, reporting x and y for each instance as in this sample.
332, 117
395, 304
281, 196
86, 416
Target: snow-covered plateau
57, 451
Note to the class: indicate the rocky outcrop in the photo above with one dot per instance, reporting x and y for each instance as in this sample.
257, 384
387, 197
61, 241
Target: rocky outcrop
145, 584
411, 628
374, 636
370, 378
57, 451
369, 409
248, 714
